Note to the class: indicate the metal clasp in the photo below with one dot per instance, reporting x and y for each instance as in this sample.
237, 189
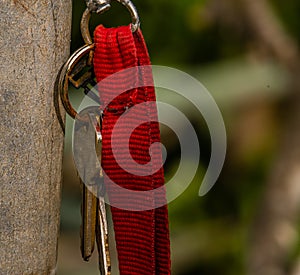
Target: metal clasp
100, 6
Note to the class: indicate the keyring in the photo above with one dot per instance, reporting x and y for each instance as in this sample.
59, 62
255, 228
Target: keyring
71, 73
100, 6
74, 71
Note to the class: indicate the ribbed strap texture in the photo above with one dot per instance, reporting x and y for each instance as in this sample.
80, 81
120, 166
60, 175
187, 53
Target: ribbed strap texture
142, 237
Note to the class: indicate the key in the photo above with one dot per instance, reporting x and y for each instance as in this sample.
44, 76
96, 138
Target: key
101, 221
89, 190
91, 182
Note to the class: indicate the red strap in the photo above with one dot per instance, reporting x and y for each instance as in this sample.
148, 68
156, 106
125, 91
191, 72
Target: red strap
142, 237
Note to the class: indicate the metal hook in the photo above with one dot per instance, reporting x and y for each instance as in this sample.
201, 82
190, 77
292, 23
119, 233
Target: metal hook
100, 6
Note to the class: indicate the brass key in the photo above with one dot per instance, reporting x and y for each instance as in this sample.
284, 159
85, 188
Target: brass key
101, 221
86, 168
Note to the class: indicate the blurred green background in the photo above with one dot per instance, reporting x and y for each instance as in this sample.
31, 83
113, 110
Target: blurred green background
214, 42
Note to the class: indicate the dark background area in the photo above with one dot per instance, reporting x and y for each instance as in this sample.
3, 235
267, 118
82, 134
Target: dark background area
253, 79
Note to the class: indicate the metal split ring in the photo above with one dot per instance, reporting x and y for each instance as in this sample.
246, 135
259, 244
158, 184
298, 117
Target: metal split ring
76, 62
100, 6
78, 70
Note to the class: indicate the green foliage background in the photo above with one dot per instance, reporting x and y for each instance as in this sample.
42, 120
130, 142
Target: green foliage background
210, 235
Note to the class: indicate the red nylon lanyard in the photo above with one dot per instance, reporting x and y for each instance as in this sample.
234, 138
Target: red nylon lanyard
142, 237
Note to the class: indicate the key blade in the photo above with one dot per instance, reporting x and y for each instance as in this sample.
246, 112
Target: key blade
88, 227
102, 239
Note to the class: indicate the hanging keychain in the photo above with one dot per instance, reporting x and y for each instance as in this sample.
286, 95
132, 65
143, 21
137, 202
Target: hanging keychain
142, 235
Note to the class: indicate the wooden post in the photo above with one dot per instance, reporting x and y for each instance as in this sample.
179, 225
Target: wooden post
34, 44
